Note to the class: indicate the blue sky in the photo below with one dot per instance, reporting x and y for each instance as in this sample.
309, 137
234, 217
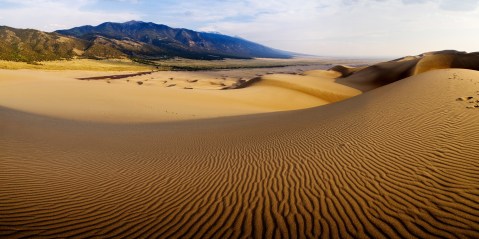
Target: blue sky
321, 27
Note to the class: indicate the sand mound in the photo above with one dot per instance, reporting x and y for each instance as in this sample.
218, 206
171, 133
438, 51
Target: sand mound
345, 70
318, 84
140, 97
398, 161
387, 72
432, 62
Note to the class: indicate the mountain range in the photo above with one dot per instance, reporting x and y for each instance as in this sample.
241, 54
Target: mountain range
133, 39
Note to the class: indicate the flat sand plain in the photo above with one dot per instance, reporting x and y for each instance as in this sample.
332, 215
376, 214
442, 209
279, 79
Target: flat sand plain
399, 160
78, 64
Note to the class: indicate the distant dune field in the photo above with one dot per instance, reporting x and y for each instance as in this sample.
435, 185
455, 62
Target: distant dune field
96, 159
161, 96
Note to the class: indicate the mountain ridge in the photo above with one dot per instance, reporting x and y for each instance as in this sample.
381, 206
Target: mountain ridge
32, 45
132, 39
165, 42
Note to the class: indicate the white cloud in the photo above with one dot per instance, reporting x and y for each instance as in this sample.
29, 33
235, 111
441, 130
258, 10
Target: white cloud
49, 15
360, 27
463, 5
449, 5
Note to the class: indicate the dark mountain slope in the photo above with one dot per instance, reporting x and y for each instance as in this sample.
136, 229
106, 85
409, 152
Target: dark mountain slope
162, 41
120, 40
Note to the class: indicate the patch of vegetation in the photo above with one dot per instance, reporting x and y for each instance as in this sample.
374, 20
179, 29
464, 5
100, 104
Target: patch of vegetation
79, 64
26, 45
180, 64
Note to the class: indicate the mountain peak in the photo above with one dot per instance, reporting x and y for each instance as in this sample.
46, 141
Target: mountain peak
133, 22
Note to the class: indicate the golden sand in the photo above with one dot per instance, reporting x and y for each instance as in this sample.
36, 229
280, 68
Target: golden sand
399, 161
60, 94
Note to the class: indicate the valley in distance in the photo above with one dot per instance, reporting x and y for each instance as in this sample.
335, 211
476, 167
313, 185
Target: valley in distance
139, 130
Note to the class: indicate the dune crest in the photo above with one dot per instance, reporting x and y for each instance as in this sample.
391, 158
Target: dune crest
384, 73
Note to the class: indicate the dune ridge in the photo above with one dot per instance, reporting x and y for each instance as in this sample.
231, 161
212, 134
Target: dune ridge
317, 84
397, 161
377, 75
161, 96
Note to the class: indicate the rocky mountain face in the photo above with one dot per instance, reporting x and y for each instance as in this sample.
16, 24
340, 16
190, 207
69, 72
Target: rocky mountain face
132, 39
150, 40
31, 45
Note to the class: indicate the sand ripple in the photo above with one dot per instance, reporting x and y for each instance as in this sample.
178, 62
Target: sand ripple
399, 161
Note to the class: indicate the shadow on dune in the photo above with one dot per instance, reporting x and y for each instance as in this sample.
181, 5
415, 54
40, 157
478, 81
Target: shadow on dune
384, 73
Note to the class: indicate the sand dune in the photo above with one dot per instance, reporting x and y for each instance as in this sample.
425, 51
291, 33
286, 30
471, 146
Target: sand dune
185, 95
397, 161
319, 84
384, 73
344, 71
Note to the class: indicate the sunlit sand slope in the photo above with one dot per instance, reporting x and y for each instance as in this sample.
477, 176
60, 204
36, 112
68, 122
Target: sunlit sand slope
398, 161
60, 94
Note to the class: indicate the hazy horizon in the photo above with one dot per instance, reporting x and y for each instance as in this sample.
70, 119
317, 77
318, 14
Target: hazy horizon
374, 28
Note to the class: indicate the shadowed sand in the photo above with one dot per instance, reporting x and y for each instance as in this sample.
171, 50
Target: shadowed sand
368, 78
397, 161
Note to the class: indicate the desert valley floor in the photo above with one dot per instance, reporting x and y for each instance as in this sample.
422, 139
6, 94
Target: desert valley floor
316, 156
